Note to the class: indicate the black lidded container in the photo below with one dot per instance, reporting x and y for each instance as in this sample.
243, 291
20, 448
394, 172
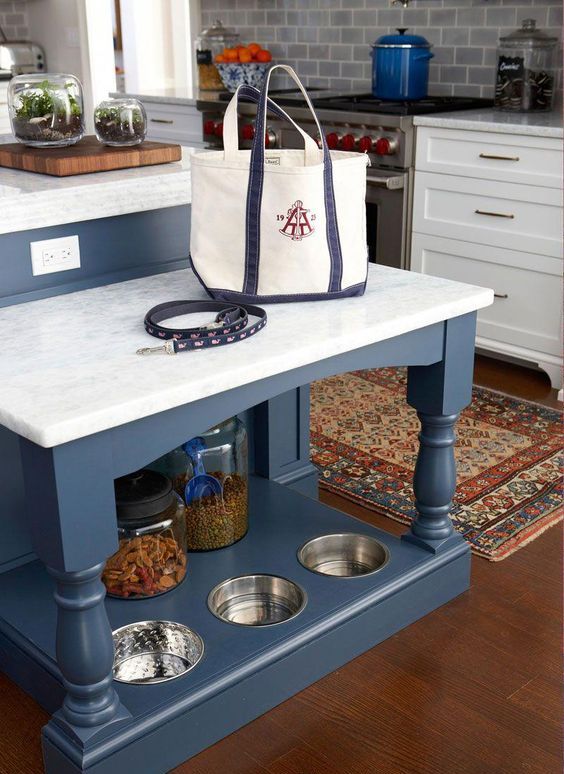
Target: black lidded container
151, 521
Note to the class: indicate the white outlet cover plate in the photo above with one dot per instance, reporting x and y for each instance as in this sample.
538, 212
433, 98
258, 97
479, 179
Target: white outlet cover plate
53, 255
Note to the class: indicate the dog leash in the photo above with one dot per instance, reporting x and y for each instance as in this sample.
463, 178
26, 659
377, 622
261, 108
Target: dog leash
231, 324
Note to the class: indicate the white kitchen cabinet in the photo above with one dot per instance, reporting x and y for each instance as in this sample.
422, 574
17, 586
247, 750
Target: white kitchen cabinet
512, 158
521, 217
496, 222
174, 123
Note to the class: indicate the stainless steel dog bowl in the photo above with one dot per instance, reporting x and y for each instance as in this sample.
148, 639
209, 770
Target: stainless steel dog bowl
345, 555
154, 651
256, 600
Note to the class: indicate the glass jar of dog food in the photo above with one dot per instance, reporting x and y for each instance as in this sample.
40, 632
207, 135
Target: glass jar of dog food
217, 491
151, 517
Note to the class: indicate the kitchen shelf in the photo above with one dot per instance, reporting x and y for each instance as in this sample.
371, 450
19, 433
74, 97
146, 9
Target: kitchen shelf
342, 618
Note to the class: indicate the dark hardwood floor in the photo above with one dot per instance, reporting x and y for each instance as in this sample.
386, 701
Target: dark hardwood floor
474, 687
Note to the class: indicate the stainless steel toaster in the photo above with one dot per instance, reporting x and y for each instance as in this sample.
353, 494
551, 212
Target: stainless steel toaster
21, 57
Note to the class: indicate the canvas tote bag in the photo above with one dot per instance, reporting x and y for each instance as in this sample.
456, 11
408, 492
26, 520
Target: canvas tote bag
282, 224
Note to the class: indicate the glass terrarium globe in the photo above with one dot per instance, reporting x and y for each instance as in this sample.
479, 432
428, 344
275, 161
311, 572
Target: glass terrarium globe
46, 109
120, 121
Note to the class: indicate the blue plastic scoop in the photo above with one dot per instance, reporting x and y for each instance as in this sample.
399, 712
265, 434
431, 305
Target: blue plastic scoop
201, 484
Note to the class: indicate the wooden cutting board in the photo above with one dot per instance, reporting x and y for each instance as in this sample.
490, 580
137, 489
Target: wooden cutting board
86, 156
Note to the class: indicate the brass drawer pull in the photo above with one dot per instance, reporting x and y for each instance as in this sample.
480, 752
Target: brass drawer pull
501, 295
495, 214
498, 158
161, 121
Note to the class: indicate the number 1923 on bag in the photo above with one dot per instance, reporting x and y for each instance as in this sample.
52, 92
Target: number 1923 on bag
282, 224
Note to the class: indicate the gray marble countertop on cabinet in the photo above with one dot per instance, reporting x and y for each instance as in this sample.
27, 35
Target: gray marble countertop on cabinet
170, 96
31, 201
87, 410
534, 124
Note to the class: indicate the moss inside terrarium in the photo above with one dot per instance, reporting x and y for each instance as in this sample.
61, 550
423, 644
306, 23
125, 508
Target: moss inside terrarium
48, 112
119, 124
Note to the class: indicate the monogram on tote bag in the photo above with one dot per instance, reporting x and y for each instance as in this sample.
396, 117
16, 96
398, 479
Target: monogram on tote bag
278, 225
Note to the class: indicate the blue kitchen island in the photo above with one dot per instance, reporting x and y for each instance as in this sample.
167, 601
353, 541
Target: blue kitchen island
86, 409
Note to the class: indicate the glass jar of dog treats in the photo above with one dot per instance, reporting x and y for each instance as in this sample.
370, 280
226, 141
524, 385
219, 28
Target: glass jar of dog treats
526, 69
151, 558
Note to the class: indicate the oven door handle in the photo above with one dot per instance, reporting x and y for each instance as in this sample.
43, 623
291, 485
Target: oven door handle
391, 182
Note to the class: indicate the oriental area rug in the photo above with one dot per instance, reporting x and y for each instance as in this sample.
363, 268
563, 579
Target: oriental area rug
508, 453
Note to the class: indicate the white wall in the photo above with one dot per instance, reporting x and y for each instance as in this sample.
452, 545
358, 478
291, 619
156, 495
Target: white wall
54, 25
157, 49
60, 26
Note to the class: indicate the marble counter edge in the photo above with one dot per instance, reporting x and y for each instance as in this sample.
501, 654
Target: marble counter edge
146, 188
158, 99
479, 123
74, 428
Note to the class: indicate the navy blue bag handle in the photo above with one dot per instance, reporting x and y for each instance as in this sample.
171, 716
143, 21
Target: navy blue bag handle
230, 129
254, 196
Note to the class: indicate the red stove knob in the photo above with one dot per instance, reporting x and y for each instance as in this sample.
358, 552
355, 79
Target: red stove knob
269, 138
332, 140
385, 147
248, 131
348, 142
209, 127
218, 130
365, 144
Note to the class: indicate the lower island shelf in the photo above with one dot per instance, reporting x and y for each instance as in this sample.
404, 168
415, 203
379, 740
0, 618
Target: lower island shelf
245, 670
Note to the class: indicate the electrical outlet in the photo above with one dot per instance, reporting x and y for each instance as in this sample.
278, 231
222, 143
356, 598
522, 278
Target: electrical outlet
52, 255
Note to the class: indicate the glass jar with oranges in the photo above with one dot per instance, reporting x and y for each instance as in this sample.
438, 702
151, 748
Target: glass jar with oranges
211, 43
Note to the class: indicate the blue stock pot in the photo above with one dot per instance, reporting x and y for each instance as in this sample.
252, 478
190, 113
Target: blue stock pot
400, 66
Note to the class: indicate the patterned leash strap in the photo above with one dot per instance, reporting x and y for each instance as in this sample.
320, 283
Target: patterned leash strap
231, 324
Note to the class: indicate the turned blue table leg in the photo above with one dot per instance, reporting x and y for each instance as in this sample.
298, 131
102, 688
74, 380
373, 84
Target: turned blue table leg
71, 512
439, 392
85, 650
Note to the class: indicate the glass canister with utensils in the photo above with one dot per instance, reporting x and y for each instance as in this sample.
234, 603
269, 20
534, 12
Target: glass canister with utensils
526, 69
209, 43
151, 558
211, 473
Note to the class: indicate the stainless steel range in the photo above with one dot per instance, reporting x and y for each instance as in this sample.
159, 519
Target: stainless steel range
383, 130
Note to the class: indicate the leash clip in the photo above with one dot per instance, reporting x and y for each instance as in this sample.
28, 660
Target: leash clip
167, 348
213, 326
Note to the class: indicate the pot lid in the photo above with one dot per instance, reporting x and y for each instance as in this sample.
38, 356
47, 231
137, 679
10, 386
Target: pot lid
143, 495
528, 35
402, 40
217, 32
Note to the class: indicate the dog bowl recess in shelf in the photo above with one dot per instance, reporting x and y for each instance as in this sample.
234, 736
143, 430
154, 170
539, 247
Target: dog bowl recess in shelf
149, 652
344, 555
256, 600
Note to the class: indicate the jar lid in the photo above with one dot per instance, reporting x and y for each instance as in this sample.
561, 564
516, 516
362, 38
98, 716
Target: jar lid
402, 40
528, 35
142, 495
217, 31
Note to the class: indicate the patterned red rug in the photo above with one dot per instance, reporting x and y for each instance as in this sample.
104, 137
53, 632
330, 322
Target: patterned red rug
508, 452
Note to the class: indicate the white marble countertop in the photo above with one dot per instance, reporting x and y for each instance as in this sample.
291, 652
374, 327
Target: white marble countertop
535, 124
29, 200
76, 379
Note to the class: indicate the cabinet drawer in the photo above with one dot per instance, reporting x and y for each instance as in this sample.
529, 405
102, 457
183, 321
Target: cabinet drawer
528, 305
173, 123
510, 158
519, 217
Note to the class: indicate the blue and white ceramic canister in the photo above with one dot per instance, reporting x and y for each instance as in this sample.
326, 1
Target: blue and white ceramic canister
400, 66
